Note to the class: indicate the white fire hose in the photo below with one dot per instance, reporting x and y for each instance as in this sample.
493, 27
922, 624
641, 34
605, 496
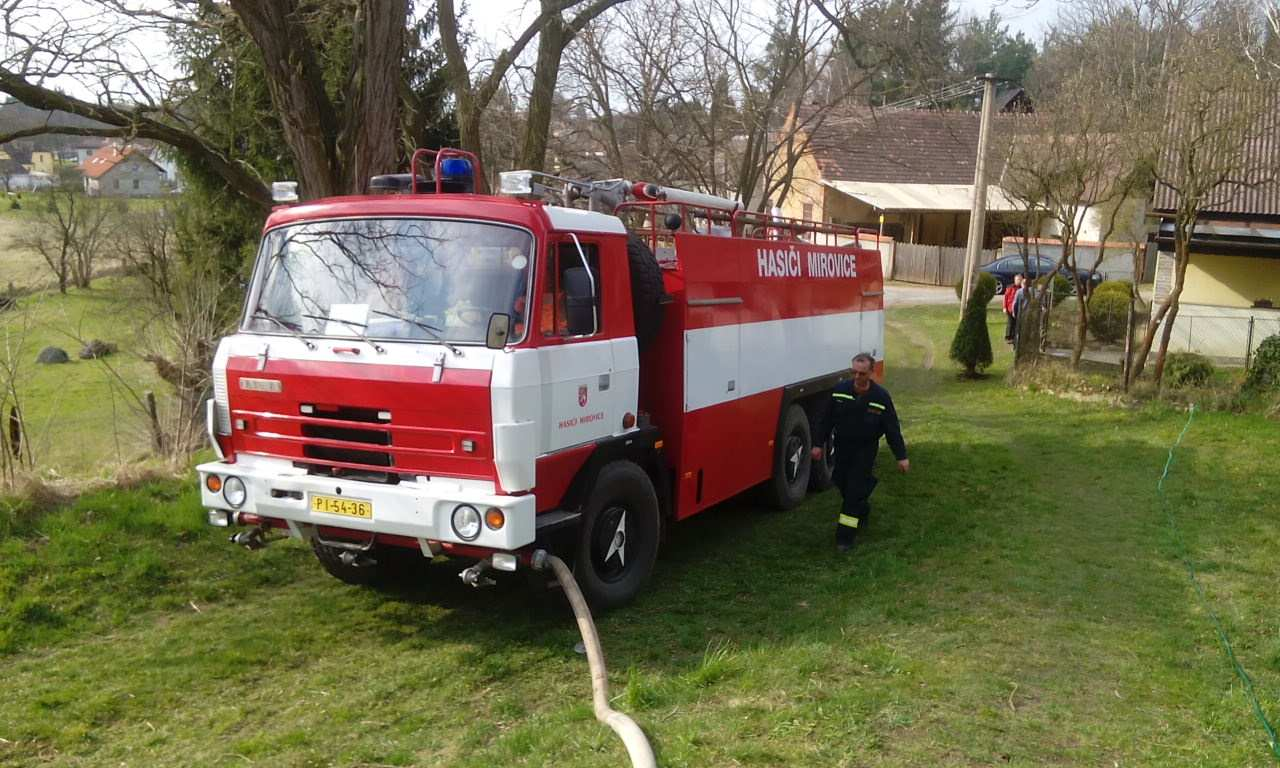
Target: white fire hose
632, 737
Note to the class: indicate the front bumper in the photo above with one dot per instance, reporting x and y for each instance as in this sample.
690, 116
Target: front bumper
421, 509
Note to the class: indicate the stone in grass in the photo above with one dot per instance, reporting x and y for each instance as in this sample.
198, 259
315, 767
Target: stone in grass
97, 348
51, 355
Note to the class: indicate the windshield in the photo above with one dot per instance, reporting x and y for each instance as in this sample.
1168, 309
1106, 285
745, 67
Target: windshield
420, 279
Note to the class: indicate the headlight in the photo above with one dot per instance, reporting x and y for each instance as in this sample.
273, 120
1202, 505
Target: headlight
233, 491
466, 522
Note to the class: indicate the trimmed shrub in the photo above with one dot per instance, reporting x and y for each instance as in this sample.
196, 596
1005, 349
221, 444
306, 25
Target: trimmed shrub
1122, 287
1061, 287
1264, 369
1187, 369
1108, 314
971, 346
985, 284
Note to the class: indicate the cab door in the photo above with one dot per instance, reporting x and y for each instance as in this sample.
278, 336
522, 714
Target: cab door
580, 387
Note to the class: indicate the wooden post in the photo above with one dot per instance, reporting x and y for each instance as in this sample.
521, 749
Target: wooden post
1126, 366
153, 414
978, 211
1248, 344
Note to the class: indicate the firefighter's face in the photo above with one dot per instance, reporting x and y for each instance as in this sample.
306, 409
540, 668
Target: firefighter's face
861, 374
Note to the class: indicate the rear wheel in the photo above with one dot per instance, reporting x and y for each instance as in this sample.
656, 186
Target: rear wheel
618, 539
791, 460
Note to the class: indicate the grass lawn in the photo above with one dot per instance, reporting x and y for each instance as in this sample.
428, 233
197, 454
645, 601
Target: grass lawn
79, 420
1017, 599
21, 266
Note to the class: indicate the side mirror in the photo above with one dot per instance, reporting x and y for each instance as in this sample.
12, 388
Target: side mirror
580, 301
499, 329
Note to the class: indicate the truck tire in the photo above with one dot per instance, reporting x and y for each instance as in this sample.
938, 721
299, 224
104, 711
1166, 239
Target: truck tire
618, 537
791, 460
647, 290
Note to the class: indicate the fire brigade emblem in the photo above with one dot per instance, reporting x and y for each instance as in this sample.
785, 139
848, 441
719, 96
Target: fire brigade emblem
582, 396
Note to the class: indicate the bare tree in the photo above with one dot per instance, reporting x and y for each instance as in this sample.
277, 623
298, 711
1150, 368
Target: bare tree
1078, 161
69, 231
15, 447
1215, 106
337, 134
474, 91
703, 93
185, 310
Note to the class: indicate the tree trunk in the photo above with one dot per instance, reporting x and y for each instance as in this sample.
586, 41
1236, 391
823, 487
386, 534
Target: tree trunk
551, 42
369, 140
459, 78
296, 83
1182, 256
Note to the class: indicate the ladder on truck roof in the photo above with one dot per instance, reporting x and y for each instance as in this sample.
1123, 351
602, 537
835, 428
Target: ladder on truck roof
680, 209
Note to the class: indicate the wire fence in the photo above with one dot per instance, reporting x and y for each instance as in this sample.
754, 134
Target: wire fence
1227, 337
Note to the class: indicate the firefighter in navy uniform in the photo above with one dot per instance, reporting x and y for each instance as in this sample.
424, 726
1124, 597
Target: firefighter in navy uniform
860, 412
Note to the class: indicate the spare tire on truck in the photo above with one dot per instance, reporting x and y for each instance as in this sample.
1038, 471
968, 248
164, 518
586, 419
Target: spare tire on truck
647, 291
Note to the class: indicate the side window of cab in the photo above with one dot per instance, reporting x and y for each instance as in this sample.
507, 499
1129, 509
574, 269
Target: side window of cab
571, 290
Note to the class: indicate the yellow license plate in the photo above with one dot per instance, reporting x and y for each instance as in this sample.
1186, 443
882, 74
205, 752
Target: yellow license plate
333, 505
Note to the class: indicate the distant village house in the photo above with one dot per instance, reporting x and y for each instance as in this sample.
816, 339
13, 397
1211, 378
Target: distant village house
123, 172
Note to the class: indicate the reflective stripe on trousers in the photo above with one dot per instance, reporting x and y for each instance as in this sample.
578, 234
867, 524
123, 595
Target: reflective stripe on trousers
848, 520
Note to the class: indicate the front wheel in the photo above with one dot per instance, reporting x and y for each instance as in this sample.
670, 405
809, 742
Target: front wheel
618, 540
361, 569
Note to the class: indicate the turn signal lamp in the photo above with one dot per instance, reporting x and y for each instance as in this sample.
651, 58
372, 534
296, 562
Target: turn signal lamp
494, 518
213, 483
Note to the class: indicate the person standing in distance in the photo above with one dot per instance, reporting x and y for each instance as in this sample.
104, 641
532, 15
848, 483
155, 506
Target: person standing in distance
860, 412
1010, 293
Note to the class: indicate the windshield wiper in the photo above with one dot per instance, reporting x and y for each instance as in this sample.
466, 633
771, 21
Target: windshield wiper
363, 329
431, 329
285, 324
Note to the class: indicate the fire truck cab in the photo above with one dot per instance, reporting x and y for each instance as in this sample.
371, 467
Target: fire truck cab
477, 376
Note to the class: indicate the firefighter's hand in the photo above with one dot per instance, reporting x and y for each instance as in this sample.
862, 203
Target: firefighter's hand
904, 466
816, 453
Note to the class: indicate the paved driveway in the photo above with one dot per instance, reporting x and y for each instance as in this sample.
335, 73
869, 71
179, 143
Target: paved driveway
911, 294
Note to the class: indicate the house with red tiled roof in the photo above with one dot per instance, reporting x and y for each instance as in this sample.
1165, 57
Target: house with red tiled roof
906, 172
123, 172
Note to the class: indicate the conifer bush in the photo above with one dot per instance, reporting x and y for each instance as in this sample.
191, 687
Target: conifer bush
971, 346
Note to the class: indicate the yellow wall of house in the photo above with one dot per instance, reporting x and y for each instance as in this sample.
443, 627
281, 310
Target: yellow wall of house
806, 190
829, 205
43, 162
1231, 281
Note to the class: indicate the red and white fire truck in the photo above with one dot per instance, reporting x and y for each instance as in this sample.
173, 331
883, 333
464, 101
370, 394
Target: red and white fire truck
427, 369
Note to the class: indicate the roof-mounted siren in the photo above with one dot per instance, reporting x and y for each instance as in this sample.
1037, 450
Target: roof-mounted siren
451, 171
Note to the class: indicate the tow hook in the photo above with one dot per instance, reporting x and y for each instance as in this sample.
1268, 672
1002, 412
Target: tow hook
474, 575
254, 538
356, 559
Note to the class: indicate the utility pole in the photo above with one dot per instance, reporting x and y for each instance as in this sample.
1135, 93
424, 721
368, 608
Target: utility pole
978, 211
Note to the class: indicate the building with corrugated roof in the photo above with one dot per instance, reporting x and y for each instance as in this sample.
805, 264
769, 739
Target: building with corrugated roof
1230, 299
914, 167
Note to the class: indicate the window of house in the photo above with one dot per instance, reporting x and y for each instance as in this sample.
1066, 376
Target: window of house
561, 258
137, 183
807, 211
115, 184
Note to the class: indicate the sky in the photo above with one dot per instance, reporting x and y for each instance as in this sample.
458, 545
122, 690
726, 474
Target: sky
504, 19
1030, 17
